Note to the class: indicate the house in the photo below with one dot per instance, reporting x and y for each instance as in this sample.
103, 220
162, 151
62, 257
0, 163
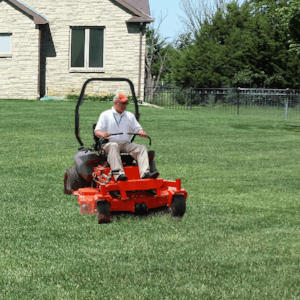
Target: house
52, 46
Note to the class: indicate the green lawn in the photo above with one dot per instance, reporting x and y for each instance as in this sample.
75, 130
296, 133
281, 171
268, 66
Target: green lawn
239, 238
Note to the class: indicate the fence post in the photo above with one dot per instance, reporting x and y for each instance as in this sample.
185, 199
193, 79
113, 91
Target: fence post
238, 103
190, 98
287, 104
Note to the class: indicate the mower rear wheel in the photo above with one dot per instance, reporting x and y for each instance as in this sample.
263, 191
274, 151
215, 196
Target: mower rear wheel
103, 212
178, 205
73, 181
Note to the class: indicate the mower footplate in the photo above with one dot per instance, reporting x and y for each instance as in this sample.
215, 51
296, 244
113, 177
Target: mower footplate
139, 185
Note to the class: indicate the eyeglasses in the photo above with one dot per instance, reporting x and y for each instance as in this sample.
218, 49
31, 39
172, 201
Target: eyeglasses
124, 103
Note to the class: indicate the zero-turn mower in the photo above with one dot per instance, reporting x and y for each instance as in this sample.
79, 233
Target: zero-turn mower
97, 191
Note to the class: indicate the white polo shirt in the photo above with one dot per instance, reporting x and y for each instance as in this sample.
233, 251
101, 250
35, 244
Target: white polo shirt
113, 122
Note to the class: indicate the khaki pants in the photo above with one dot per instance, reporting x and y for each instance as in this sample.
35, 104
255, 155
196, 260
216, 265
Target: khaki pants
138, 152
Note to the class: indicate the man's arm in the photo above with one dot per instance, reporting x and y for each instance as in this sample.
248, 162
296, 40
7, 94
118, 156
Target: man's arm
101, 124
136, 127
99, 134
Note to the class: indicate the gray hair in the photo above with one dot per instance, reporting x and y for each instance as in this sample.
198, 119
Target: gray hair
116, 99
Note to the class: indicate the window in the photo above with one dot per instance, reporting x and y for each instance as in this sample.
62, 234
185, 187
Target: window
87, 48
5, 44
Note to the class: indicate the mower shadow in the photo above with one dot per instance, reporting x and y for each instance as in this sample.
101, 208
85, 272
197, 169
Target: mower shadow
158, 211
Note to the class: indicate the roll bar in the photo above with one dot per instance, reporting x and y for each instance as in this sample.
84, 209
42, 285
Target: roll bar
80, 101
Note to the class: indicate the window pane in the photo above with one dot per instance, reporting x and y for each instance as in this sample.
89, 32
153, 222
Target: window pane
77, 48
5, 43
96, 48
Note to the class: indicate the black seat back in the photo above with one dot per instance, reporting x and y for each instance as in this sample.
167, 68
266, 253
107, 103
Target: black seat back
95, 138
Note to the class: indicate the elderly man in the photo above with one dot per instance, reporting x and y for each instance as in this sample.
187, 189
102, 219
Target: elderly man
116, 120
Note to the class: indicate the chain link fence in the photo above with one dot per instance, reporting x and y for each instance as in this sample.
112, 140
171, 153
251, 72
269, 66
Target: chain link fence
284, 103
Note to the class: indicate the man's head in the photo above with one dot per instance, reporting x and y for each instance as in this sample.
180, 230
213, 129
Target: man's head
120, 103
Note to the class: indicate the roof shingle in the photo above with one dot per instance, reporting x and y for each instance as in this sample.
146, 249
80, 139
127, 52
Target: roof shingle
141, 5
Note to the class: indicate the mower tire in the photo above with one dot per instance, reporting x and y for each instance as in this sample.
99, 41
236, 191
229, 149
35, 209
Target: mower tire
178, 205
103, 212
73, 181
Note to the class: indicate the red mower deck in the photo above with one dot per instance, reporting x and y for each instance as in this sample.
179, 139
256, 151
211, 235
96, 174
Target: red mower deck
124, 195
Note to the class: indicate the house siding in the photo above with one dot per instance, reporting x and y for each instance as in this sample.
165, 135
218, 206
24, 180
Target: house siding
19, 73
121, 58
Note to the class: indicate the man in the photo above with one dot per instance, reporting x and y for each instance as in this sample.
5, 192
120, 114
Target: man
116, 120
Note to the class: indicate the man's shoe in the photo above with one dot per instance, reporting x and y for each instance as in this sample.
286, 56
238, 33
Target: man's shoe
152, 175
147, 175
122, 177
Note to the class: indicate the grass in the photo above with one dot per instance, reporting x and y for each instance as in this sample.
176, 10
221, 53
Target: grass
239, 238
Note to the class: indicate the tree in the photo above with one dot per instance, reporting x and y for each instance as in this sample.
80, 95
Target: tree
281, 67
157, 50
290, 14
183, 41
197, 12
243, 46
219, 50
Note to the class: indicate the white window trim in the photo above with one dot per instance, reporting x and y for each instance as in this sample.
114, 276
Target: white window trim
7, 54
86, 69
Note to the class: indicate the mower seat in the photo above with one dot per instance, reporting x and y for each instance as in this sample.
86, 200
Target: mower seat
126, 159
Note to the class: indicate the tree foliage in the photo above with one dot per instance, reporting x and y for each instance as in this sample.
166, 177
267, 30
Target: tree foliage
243, 45
290, 14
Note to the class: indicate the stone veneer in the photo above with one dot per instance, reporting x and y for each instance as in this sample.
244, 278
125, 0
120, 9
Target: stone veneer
19, 73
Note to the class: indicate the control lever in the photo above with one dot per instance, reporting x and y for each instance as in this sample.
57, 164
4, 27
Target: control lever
134, 134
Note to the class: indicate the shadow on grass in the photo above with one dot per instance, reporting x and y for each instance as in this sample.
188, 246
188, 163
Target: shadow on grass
159, 211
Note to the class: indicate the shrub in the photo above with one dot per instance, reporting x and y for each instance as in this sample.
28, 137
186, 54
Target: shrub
182, 98
100, 97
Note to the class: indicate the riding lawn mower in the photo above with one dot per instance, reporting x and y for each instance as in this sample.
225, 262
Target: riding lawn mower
91, 180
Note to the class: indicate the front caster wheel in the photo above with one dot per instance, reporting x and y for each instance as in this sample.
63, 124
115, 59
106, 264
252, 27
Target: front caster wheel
103, 212
178, 205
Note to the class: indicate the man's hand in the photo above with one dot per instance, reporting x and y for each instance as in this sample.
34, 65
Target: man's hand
106, 135
99, 134
142, 133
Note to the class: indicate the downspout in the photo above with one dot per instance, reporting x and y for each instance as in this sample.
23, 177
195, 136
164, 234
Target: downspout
39, 66
140, 60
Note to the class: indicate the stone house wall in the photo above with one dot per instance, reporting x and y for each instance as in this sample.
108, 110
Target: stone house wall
19, 71
121, 40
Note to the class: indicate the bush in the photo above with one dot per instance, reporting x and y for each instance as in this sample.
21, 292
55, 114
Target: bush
185, 98
100, 97
182, 98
